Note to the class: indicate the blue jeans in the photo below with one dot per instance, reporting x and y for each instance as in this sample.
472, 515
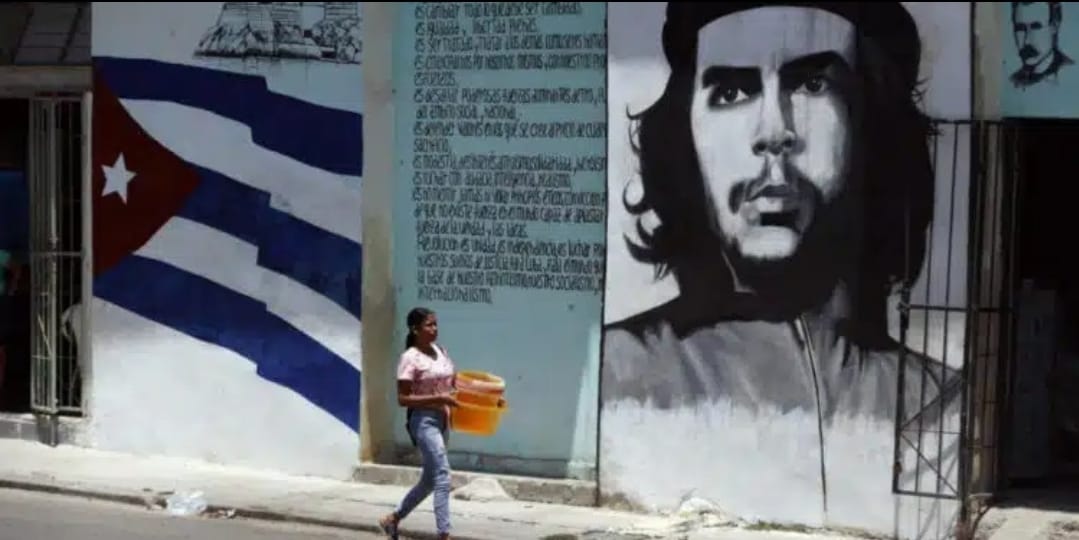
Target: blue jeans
427, 428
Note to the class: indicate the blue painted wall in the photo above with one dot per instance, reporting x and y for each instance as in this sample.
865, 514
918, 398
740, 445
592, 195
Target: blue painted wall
510, 98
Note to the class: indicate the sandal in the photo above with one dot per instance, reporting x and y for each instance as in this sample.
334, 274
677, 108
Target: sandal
389, 526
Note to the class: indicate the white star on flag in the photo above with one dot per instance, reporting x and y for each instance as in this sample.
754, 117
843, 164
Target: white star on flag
117, 178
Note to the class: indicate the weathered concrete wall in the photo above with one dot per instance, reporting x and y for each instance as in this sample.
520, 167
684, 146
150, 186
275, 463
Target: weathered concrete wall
761, 372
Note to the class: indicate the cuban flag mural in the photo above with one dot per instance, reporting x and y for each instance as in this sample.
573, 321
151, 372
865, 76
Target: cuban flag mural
227, 154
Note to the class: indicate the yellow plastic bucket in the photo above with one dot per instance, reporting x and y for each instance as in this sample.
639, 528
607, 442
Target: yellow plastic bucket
479, 388
480, 382
476, 398
474, 419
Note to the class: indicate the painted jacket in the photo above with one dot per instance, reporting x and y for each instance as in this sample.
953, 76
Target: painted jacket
785, 420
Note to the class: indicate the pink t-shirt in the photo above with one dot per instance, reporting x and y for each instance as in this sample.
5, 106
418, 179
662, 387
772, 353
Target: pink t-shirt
429, 376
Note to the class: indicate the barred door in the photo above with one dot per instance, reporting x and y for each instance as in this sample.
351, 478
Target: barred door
933, 323
961, 315
55, 172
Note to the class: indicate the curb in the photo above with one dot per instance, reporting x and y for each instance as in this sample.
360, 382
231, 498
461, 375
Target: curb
248, 513
539, 490
74, 492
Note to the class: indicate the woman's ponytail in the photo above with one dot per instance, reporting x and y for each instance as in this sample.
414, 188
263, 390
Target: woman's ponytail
414, 319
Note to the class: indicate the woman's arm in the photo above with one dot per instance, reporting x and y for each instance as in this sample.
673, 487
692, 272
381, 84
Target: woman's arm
405, 398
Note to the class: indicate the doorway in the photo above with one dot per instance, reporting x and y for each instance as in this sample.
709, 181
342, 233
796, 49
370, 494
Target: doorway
1043, 430
45, 82
42, 255
14, 256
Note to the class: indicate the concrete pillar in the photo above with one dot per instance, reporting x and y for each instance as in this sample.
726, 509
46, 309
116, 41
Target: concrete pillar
988, 62
992, 203
378, 393
993, 323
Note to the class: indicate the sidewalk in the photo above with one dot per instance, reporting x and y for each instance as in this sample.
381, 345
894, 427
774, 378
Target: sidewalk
352, 505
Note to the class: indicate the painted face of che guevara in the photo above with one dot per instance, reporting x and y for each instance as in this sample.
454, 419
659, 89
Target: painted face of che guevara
770, 124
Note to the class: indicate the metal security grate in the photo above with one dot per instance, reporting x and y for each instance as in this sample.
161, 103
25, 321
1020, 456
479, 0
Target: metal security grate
56, 253
933, 323
963, 316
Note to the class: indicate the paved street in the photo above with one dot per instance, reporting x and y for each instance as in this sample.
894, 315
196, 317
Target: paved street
37, 516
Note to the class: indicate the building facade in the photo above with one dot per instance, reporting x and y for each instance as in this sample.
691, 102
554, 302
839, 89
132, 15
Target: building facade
763, 254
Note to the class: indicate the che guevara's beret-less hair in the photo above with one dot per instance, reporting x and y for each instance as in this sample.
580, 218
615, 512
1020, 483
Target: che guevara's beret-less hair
888, 24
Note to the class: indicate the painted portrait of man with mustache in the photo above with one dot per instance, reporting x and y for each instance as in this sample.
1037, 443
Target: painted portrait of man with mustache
793, 185
787, 164
1036, 26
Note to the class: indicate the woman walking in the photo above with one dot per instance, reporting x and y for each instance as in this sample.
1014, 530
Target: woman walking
425, 384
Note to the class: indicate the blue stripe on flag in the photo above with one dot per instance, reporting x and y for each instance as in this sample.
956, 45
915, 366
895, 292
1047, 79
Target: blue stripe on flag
327, 263
209, 312
323, 137
226, 205
323, 261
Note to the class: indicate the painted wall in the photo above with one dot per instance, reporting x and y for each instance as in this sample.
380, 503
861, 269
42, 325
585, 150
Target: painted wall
1039, 44
499, 214
227, 156
759, 184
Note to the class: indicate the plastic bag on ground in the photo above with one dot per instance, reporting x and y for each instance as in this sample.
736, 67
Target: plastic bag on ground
186, 503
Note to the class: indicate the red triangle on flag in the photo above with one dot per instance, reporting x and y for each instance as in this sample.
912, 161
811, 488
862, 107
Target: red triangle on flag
161, 184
